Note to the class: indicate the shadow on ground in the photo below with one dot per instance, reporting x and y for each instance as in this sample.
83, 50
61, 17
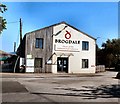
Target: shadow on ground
91, 92
103, 91
13, 87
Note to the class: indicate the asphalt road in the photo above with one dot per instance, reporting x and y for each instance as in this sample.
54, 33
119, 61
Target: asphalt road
100, 88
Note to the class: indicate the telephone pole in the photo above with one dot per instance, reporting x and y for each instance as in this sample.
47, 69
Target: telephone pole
19, 46
20, 30
14, 46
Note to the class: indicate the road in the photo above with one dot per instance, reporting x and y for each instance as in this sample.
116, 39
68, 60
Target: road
60, 88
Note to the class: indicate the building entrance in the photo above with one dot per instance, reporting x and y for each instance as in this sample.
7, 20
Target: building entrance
62, 64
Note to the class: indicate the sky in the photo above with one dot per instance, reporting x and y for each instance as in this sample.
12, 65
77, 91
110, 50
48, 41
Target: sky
98, 19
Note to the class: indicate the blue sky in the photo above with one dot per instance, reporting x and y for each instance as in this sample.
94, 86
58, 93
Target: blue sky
98, 19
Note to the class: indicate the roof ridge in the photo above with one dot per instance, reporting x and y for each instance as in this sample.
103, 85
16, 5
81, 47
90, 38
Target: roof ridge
63, 22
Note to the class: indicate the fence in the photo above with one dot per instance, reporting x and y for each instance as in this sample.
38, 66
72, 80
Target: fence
100, 68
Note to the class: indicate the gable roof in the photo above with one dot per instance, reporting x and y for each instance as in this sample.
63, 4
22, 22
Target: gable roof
6, 53
2, 52
63, 23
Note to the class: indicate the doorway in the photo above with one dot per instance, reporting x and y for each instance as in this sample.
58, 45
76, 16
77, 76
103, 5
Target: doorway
62, 64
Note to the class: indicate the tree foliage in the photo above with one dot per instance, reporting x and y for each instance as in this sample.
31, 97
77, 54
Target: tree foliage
3, 22
109, 55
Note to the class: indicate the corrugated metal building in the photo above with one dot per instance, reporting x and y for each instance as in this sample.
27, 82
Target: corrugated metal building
58, 48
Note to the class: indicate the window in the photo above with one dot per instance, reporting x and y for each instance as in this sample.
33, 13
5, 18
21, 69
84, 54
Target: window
84, 63
38, 62
85, 45
39, 43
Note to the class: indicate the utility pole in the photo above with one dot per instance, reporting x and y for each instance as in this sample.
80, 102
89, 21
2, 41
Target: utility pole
20, 37
20, 30
14, 46
19, 46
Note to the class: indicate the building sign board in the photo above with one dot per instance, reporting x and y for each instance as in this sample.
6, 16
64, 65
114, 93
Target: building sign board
68, 47
30, 62
30, 65
67, 43
29, 69
29, 56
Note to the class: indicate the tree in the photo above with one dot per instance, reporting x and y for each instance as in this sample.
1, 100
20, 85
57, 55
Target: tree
110, 53
3, 22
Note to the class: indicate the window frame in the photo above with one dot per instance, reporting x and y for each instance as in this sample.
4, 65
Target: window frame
85, 45
39, 43
86, 66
